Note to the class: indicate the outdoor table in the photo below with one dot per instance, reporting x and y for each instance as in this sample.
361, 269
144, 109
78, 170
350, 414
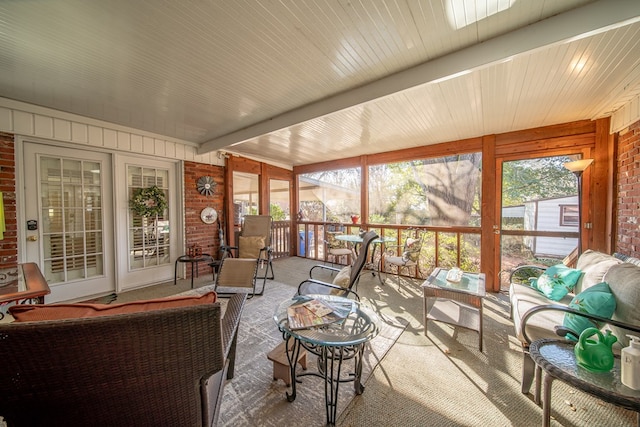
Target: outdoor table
332, 343
375, 264
194, 261
458, 304
557, 359
29, 285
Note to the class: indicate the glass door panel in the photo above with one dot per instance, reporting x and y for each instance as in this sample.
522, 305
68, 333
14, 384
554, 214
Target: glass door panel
71, 220
148, 235
539, 205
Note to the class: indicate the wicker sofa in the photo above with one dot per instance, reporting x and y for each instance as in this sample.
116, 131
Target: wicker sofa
536, 317
164, 367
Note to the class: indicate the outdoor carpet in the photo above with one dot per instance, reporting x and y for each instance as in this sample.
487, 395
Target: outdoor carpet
253, 398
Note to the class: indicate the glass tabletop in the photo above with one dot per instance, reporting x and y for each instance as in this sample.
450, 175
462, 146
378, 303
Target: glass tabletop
472, 283
558, 358
359, 326
355, 238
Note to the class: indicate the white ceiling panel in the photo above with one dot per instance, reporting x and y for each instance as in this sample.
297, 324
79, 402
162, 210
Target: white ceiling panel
302, 81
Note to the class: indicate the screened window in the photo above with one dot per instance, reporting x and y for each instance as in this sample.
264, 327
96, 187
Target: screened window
246, 195
331, 196
440, 191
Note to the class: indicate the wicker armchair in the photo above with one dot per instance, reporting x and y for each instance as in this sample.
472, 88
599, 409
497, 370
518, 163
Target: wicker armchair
156, 368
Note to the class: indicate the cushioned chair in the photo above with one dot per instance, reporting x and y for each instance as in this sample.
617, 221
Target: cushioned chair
335, 249
409, 257
165, 367
254, 242
346, 278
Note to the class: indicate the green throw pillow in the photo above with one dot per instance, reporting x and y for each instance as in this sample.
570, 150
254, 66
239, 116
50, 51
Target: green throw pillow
597, 300
557, 281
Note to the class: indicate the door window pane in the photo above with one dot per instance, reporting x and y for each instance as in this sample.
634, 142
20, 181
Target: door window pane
539, 212
71, 218
148, 235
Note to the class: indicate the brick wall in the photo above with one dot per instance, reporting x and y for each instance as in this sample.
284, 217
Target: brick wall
196, 231
9, 245
628, 233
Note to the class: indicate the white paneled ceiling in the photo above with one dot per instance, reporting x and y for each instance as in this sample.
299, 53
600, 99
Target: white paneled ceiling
303, 81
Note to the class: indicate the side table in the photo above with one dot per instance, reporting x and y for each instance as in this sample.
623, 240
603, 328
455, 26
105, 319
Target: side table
29, 285
557, 360
458, 304
333, 344
194, 261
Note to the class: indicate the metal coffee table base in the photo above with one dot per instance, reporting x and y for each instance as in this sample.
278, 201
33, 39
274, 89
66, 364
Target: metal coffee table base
330, 359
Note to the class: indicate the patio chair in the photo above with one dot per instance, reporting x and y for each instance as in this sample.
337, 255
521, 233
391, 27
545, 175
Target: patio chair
235, 275
254, 242
346, 278
335, 248
408, 258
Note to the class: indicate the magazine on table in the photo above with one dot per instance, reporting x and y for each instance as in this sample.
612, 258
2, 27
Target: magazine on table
309, 313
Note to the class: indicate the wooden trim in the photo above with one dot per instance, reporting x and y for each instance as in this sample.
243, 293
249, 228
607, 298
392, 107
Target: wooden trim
35, 286
602, 187
364, 191
490, 216
570, 129
545, 146
444, 149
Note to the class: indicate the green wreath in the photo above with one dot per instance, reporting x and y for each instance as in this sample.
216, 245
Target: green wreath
148, 201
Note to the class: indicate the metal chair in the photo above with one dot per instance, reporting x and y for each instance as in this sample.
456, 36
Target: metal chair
408, 258
335, 248
254, 242
236, 275
316, 286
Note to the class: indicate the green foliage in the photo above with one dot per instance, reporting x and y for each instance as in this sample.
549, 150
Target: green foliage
149, 201
448, 253
545, 177
277, 213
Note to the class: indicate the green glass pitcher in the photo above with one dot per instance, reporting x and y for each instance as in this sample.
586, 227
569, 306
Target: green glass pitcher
595, 355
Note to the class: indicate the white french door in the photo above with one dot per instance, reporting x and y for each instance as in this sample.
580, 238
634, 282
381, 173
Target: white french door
147, 245
68, 220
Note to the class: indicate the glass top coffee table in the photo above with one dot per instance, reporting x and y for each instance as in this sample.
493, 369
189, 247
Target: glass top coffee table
332, 343
454, 303
557, 359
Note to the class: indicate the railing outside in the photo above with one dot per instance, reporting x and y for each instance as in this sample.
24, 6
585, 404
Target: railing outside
442, 246
281, 238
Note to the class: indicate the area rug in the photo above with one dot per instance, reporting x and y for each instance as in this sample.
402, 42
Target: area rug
106, 299
253, 398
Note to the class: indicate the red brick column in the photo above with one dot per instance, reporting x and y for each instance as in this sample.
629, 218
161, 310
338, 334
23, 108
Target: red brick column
628, 236
9, 245
196, 231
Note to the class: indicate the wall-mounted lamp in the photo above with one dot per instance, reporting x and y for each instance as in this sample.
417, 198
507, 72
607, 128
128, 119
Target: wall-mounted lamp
223, 155
577, 167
